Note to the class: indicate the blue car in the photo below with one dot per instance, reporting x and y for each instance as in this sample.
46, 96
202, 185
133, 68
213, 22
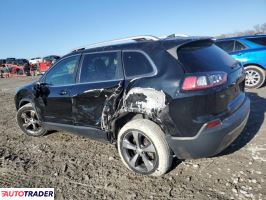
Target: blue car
251, 52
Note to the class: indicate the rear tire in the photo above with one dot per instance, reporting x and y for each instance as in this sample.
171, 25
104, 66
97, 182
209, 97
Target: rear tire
255, 77
29, 122
153, 158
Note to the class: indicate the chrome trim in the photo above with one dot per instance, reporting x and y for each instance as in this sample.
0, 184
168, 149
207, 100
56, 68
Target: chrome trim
98, 52
155, 71
53, 66
83, 83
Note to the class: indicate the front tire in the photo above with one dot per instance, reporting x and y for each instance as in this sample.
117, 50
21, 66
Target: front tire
143, 148
255, 77
28, 121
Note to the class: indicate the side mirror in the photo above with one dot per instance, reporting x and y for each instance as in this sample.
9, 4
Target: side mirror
38, 88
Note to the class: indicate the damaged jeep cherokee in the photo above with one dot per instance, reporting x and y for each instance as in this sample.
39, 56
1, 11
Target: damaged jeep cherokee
154, 98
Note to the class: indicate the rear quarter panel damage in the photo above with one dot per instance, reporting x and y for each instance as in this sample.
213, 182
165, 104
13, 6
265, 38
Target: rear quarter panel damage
148, 101
144, 100
138, 100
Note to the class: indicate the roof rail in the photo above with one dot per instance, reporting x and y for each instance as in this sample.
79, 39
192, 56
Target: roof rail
117, 41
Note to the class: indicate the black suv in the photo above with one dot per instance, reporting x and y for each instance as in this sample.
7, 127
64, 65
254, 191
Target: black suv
154, 98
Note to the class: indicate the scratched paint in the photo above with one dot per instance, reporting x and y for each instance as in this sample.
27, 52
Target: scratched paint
148, 100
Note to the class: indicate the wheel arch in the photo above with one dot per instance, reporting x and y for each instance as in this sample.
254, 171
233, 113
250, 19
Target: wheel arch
120, 121
23, 102
254, 64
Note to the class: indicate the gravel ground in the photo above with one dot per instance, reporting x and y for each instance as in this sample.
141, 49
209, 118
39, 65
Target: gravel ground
79, 168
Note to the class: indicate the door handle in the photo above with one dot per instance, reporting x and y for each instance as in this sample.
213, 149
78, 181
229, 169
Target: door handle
63, 92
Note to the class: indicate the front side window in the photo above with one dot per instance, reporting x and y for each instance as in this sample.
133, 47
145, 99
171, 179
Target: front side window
136, 63
97, 67
63, 73
227, 46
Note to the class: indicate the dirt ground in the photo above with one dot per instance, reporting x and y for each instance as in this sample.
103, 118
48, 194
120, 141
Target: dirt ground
79, 168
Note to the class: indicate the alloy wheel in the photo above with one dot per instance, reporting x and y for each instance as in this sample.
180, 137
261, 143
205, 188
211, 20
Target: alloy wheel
30, 122
139, 152
252, 78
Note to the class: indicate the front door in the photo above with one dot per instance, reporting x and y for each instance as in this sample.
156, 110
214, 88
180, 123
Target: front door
54, 104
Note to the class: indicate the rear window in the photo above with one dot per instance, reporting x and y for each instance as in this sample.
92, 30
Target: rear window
258, 40
136, 63
239, 46
204, 56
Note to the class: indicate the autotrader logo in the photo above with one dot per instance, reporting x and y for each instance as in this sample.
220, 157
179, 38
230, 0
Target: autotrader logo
27, 193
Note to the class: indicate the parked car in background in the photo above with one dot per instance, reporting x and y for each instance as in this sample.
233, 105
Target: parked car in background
2, 62
11, 61
22, 62
15, 67
2, 67
151, 97
34, 61
251, 52
52, 58
46, 63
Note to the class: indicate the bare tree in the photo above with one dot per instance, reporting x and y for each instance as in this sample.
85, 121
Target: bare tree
257, 29
263, 28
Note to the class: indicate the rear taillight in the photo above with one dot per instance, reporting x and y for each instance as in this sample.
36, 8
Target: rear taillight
214, 123
203, 81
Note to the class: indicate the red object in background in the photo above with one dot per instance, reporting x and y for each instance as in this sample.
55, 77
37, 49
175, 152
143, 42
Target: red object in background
15, 70
44, 66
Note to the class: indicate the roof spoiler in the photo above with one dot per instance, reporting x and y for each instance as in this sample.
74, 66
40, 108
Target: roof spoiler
173, 51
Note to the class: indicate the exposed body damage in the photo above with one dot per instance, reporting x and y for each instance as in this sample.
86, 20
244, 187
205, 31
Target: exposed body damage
138, 100
147, 101
144, 100
110, 108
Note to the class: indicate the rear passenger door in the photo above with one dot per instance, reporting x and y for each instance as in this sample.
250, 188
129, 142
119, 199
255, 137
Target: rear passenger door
99, 88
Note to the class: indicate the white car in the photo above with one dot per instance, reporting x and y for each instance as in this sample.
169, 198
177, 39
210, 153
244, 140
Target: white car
33, 61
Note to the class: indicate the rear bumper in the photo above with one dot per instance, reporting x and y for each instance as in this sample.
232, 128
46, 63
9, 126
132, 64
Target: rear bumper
209, 142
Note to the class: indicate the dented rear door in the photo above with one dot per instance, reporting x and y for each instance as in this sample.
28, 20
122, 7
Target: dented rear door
99, 89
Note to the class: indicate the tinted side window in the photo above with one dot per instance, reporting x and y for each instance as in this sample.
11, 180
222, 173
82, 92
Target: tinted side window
101, 67
136, 63
227, 46
63, 73
258, 40
239, 46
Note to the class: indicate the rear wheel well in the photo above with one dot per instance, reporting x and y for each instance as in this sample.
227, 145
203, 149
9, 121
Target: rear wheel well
23, 103
121, 121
